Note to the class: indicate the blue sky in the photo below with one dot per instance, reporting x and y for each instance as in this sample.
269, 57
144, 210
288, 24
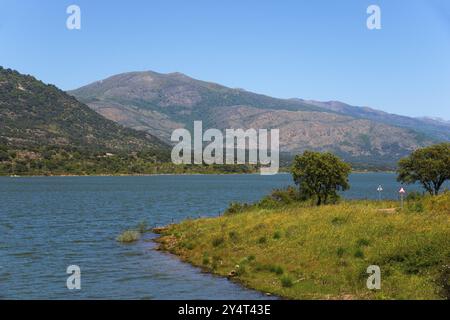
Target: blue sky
317, 49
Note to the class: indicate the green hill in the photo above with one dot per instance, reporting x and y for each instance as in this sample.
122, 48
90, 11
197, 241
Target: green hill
45, 131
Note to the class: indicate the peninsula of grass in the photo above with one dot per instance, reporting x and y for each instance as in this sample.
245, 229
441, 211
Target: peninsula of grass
299, 251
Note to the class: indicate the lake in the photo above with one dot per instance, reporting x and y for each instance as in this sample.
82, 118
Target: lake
49, 223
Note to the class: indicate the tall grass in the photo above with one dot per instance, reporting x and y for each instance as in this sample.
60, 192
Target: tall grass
129, 236
133, 235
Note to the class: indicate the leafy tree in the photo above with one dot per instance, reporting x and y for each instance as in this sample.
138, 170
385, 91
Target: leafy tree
320, 175
430, 166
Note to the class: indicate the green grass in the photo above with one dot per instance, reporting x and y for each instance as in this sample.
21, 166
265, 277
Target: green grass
303, 252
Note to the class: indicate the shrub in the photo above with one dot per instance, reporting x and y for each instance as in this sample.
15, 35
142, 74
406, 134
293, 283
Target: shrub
262, 240
270, 268
286, 281
359, 253
268, 203
414, 202
280, 197
218, 241
285, 196
415, 207
362, 243
188, 245
236, 207
233, 236
276, 199
414, 196
440, 203
340, 252
276, 269
338, 221
129, 236
135, 234
215, 262
277, 235
413, 260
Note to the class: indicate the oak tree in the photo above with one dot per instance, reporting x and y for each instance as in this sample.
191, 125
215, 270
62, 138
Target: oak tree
429, 166
320, 175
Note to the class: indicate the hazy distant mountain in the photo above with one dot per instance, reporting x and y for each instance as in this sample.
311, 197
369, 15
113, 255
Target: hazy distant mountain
34, 115
158, 103
437, 128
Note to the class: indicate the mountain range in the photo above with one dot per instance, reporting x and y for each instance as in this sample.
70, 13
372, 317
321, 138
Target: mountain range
135, 113
159, 103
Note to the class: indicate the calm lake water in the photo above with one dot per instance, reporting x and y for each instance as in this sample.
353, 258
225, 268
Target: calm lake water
47, 224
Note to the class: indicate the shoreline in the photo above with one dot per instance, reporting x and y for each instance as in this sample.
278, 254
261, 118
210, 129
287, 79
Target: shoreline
160, 247
135, 175
167, 174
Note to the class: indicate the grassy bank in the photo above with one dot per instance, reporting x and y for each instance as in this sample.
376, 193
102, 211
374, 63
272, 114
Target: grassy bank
302, 252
